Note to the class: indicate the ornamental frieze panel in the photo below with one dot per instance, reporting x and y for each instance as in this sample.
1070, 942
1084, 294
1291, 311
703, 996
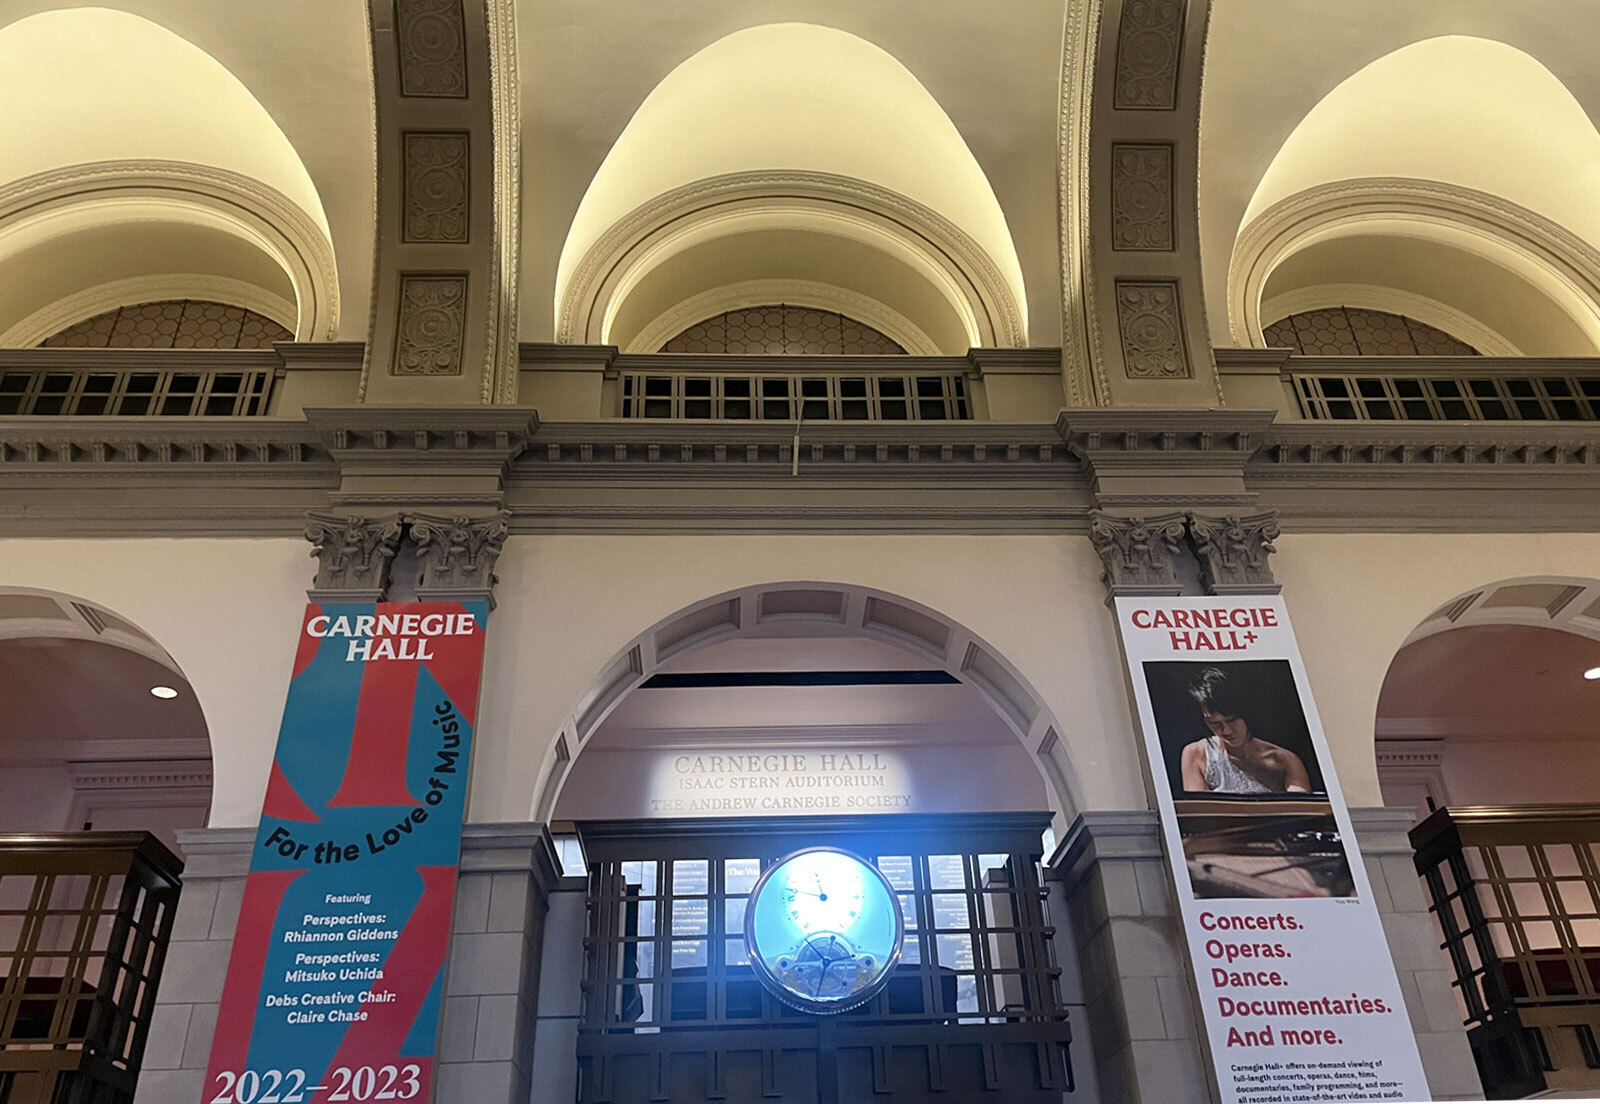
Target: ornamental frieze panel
1149, 49
432, 40
1141, 196
1150, 324
431, 328
436, 187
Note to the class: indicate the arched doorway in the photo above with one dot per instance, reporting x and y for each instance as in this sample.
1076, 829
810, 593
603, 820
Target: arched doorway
785, 717
1487, 702
103, 730
819, 668
1487, 724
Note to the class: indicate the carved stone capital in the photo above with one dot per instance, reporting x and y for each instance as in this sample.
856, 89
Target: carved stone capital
458, 555
1138, 552
1233, 552
353, 555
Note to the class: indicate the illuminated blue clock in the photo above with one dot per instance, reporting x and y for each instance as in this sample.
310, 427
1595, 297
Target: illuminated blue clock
824, 929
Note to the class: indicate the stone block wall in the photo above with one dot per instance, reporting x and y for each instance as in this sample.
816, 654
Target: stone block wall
492, 981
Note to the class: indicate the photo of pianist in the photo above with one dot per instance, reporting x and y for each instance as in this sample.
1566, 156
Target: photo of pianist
1234, 759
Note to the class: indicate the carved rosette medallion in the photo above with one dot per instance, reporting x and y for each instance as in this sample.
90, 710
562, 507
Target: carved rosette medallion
431, 36
1138, 552
353, 554
436, 187
458, 554
431, 324
1149, 47
1141, 196
1151, 325
1233, 552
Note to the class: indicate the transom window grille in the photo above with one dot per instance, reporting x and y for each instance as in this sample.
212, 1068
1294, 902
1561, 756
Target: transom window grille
1515, 893
1435, 399
668, 967
166, 393
85, 920
786, 398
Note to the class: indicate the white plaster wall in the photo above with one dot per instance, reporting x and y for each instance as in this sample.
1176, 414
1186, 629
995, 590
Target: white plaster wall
1354, 598
227, 610
35, 799
569, 604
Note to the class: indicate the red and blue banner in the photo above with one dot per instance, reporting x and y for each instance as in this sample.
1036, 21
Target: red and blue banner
335, 985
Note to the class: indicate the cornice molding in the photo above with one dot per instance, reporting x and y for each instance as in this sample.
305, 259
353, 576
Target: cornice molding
618, 257
264, 215
51, 319
1283, 228
799, 293
118, 477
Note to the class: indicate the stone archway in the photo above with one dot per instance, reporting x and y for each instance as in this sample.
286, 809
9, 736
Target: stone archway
794, 638
103, 729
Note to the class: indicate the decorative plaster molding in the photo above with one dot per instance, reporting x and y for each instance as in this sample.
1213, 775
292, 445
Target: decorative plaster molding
353, 555
1376, 297
1141, 196
431, 324
50, 320
1233, 550
458, 554
798, 293
124, 774
437, 173
1572, 265
1150, 322
1149, 51
1138, 553
499, 378
949, 257
264, 216
1082, 362
432, 40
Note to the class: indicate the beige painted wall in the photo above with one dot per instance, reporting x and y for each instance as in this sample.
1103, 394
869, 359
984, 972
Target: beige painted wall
1355, 598
227, 610
569, 604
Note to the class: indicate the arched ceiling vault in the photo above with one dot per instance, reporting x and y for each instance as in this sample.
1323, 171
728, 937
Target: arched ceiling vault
1467, 129
828, 133
135, 124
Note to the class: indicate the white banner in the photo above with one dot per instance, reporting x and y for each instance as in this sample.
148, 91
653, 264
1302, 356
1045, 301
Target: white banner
1299, 993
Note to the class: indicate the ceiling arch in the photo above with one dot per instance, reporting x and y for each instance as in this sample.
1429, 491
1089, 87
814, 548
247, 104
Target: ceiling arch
1457, 146
131, 126
826, 126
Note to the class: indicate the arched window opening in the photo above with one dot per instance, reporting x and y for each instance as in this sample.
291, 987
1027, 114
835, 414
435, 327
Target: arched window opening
1348, 331
172, 324
780, 328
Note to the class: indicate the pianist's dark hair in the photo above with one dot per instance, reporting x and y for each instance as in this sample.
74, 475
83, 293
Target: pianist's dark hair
1214, 691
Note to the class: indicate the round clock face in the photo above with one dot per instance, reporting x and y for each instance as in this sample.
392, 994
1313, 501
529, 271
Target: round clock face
824, 929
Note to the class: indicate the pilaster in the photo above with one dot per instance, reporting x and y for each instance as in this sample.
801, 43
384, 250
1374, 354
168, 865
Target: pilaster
1122, 928
1413, 938
185, 1017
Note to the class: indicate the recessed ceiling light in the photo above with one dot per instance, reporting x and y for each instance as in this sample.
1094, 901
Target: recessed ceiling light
169, 692
1592, 674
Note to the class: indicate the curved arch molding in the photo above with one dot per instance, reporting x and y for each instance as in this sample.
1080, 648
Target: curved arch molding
829, 609
950, 259
1559, 264
178, 191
